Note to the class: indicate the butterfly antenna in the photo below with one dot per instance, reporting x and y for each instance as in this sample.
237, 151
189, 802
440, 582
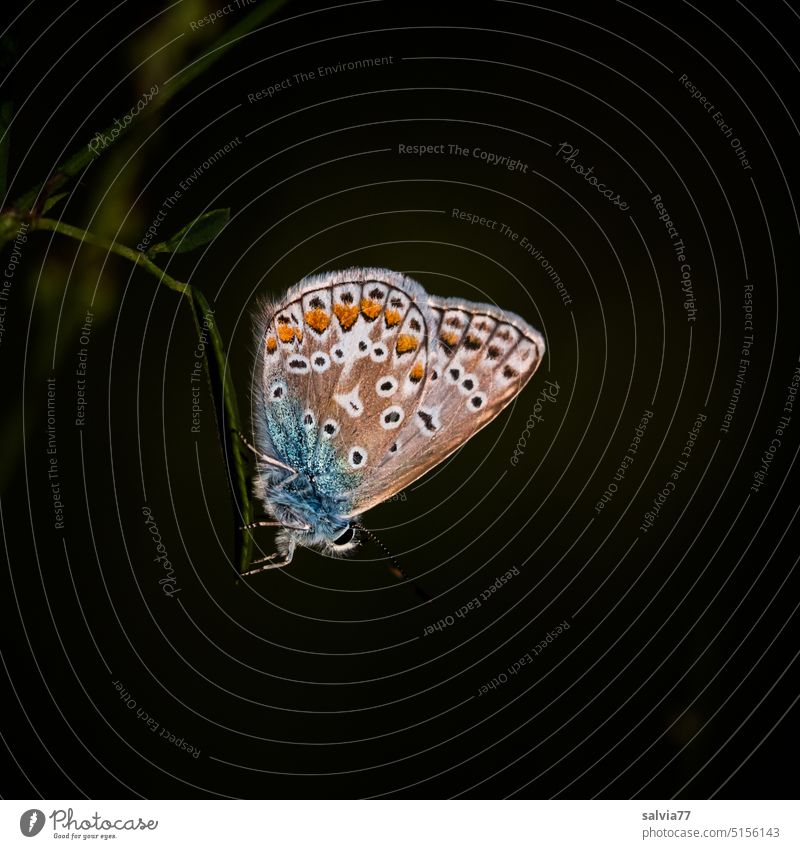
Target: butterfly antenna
396, 569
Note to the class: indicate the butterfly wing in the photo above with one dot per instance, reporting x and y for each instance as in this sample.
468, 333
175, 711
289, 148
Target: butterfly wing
479, 358
344, 366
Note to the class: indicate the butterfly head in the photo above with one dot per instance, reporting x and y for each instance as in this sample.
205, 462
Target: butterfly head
313, 520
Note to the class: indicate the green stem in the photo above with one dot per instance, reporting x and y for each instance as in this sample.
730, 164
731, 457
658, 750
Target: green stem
229, 426
220, 385
114, 247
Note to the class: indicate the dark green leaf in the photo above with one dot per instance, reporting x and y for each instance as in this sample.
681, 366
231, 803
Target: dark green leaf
52, 201
195, 234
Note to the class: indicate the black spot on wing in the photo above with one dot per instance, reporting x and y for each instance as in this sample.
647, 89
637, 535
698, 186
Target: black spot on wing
427, 420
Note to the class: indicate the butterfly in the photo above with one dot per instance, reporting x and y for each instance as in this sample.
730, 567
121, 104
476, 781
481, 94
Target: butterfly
363, 383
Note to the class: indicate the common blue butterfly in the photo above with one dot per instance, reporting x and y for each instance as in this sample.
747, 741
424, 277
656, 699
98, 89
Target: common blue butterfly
362, 383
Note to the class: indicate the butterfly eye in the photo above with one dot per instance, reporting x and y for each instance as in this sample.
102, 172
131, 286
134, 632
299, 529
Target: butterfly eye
345, 538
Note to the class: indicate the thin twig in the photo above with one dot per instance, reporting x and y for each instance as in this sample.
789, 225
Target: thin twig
222, 390
114, 247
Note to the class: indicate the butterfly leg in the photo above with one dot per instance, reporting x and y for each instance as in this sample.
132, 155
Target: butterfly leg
263, 523
260, 524
269, 562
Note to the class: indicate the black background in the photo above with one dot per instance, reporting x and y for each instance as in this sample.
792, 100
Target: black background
677, 675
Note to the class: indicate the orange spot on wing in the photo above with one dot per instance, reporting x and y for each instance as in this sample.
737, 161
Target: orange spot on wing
271, 344
347, 315
417, 372
405, 343
392, 317
318, 320
449, 338
370, 308
285, 333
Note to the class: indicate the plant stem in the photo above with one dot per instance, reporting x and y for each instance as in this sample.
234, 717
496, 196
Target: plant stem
222, 390
114, 247
229, 427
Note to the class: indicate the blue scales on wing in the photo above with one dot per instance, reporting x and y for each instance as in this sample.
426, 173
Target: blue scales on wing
343, 366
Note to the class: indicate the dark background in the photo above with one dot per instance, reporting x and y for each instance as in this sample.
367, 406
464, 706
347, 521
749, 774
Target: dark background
677, 675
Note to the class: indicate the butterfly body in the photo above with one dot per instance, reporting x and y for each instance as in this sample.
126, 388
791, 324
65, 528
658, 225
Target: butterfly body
363, 382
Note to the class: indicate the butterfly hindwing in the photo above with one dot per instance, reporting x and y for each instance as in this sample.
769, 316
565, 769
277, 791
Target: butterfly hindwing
479, 359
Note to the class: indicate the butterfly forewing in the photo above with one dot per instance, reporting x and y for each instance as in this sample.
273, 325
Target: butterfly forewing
479, 359
345, 364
